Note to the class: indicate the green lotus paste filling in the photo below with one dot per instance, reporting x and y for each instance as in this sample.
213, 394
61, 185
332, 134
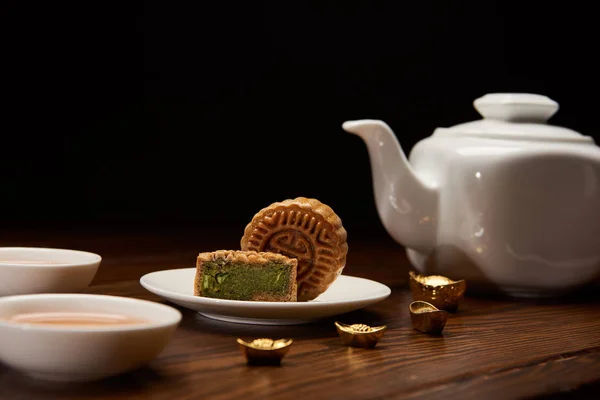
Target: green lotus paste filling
240, 281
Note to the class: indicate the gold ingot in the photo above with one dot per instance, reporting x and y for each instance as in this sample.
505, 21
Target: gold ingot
442, 292
427, 318
264, 350
360, 335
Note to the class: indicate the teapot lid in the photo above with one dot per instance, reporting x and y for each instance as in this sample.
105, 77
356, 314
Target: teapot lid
515, 116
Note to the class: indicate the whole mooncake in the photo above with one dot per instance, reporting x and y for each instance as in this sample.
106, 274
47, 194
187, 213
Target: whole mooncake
304, 229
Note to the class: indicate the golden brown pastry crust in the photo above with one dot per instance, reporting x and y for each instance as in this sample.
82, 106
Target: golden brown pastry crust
305, 229
250, 257
254, 257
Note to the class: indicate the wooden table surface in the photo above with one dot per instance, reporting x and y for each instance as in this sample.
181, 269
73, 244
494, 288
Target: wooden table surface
491, 348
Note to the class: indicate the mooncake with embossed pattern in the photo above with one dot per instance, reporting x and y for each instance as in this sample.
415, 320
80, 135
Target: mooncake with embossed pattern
305, 229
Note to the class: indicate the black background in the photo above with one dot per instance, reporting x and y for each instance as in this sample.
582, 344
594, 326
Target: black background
199, 114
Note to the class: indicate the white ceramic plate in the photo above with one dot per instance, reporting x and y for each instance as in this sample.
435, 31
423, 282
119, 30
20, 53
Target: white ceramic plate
347, 293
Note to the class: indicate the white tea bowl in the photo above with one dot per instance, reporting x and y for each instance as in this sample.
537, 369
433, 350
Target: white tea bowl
28, 270
78, 352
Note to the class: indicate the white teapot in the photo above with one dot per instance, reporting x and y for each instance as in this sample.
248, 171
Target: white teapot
507, 202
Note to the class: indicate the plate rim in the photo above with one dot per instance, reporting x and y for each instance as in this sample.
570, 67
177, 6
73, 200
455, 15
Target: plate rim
253, 304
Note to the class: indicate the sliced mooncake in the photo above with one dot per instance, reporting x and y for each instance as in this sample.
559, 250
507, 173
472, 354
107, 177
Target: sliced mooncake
246, 275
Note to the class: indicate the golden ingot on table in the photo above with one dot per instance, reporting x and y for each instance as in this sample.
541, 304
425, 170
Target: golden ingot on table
427, 318
264, 350
360, 335
442, 292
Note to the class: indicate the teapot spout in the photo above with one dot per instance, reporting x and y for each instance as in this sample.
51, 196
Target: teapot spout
406, 205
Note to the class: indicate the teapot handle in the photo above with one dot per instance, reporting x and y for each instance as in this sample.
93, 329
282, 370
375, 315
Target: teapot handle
516, 107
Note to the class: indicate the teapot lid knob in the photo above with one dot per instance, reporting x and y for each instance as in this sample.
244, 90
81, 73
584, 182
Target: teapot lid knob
516, 107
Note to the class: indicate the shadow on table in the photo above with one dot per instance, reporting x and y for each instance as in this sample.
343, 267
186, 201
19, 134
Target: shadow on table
320, 329
14, 385
587, 294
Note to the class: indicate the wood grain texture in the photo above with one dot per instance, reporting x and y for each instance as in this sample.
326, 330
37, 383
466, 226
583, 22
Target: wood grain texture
491, 348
